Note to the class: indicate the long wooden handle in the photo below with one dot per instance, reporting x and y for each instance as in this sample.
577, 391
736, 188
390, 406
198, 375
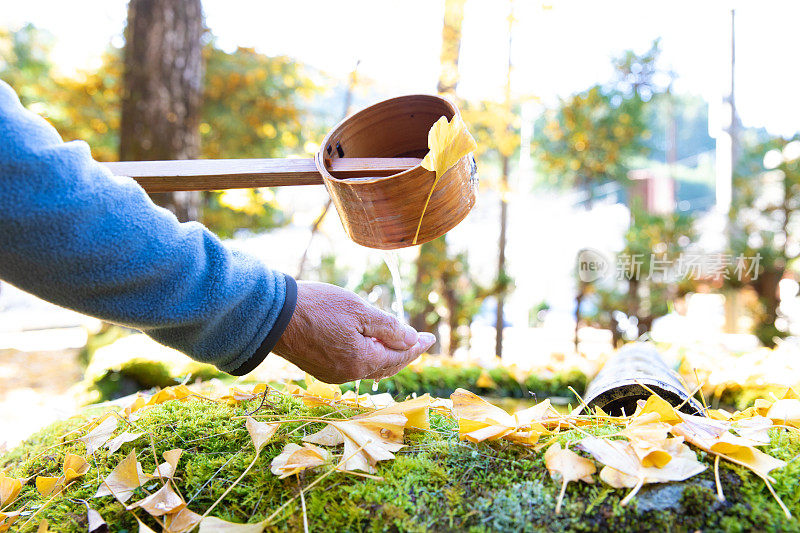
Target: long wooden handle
217, 174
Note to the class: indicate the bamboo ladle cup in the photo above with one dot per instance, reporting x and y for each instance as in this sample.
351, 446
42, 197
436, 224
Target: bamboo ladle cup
370, 165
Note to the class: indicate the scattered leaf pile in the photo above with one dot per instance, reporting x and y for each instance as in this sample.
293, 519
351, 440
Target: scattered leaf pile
349, 435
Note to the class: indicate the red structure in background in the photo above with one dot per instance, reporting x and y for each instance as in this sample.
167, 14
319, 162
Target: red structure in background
656, 192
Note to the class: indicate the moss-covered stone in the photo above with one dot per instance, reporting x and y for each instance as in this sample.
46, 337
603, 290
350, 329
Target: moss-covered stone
436, 483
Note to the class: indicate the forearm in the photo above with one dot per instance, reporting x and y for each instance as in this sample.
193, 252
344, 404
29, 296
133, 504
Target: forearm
75, 235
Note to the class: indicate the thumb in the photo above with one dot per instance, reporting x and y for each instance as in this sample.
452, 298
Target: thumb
388, 329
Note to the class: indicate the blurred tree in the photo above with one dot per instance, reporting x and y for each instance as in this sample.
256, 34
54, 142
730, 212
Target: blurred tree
237, 119
765, 225
163, 90
590, 138
84, 107
646, 278
253, 106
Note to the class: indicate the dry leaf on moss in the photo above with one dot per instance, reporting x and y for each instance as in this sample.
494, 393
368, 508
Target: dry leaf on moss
260, 432
47, 485
7, 519
478, 420
163, 501
212, 524
367, 439
624, 469
182, 521
124, 479
415, 410
786, 412
74, 467
44, 526
9, 489
295, 458
566, 465
100, 434
116, 443
648, 438
167, 469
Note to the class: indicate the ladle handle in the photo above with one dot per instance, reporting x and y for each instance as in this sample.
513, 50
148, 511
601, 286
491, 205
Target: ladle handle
217, 174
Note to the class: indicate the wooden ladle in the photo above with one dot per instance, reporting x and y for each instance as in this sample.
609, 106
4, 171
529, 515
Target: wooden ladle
370, 164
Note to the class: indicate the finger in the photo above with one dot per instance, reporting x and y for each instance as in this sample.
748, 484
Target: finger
390, 362
388, 329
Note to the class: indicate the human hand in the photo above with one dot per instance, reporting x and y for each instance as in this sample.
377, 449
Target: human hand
336, 336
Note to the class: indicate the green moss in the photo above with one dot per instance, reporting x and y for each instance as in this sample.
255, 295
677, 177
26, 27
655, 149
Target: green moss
441, 381
436, 483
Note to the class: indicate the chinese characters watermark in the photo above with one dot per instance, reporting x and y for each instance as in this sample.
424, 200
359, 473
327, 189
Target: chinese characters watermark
593, 265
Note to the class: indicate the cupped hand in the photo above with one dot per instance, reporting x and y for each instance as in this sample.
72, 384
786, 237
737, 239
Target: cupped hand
336, 336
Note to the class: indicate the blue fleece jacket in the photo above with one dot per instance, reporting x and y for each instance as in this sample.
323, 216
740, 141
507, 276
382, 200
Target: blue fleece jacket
73, 234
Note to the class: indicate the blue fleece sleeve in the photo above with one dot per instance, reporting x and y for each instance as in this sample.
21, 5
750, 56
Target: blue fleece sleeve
75, 235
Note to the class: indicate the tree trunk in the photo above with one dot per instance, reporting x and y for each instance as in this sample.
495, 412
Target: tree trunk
451, 46
163, 90
501, 262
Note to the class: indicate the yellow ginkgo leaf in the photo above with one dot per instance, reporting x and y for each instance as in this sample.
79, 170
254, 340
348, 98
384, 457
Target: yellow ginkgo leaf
448, 141
665, 411
478, 420
295, 458
785, 411
415, 411
47, 486
9, 489
367, 439
163, 501
183, 521
620, 456
167, 469
212, 524
98, 436
74, 467
260, 432
7, 519
566, 465
648, 438
44, 526
124, 479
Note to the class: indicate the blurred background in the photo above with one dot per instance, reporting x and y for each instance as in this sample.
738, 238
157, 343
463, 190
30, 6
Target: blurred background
639, 167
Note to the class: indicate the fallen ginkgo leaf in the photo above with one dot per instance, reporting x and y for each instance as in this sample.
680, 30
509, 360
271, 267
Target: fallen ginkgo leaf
260, 432
366, 440
74, 467
295, 458
167, 469
566, 465
98, 436
212, 524
9, 489
123, 480
163, 501
624, 469
182, 521
116, 443
478, 420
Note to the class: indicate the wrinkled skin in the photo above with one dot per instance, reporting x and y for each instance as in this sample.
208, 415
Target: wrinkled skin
337, 337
